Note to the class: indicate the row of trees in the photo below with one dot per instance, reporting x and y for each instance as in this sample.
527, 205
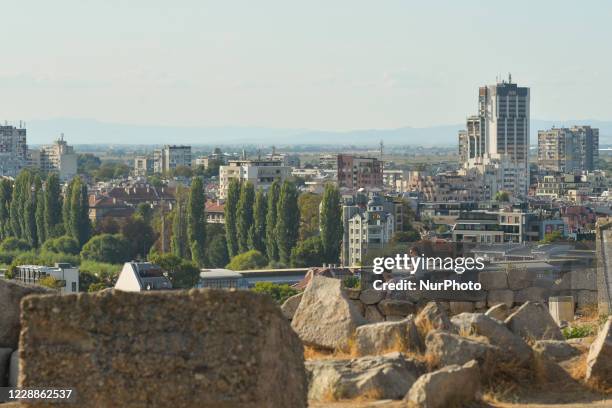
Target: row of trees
34, 211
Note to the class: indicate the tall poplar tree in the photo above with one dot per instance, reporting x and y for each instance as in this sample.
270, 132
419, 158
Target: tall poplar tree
79, 212
66, 207
6, 192
331, 223
29, 212
271, 246
196, 221
287, 222
257, 233
179, 242
52, 216
231, 203
244, 215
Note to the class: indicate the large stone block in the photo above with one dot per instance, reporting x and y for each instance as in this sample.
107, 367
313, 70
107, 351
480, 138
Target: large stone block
521, 278
599, 359
326, 317
449, 348
532, 321
585, 298
290, 305
493, 280
531, 294
505, 296
385, 337
11, 293
393, 307
163, 349
5, 359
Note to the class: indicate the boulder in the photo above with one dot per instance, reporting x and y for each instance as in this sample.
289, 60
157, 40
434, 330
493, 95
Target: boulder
461, 307
371, 296
547, 371
394, 307
163, 349
326, 317
583, 279
531, 294
11, 293
381, 338
532, 321
5, 359
374, 377
495, 297
555, 350
13, 373
499, 312
452, 385
491, 280
515, 348
599, 359
448, 348
290, 305
353, 293
585, 298
373, 315
432, 317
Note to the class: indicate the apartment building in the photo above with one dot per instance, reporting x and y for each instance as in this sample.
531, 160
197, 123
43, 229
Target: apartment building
143, 165
493, 227
170, 157
449, 186
261, 172
58, 158
13, 150
573, 187
568, 149
66, 276
355, 172
365, 229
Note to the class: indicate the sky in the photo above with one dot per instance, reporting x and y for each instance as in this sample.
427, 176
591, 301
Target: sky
333, 65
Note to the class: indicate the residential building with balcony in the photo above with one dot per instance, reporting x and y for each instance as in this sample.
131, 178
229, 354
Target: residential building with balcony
65, 275
260, 172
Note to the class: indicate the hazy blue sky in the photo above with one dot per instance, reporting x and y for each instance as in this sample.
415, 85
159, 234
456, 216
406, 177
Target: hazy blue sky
309, 64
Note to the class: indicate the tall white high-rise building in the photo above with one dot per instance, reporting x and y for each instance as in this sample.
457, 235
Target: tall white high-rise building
13, 150
58, 157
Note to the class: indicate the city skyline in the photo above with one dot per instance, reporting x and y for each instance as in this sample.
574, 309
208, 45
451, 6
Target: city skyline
307, 66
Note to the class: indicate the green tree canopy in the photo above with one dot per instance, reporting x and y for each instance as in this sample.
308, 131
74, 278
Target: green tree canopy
249, 260
107, 248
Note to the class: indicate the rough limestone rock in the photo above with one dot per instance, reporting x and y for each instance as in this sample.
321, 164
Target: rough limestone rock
532, 321
432, 317
380, 377
495, 297
353, 293
583, 279
585, 298
555, 350
371, 296
373, 315
11, 293
515, 348
5, 359
163, 349
453, 385
499, 312
531, 294
381, 338
599, 359
393, 307
449, 348
461, 307
326, 317
491, 280
548, 371
13, 373
290, 305
521, 278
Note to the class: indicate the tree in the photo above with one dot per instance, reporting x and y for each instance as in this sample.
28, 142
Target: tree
307, 253
6, 193
41, 230
196, 222
53, 207
179, 242
217, 252
21, 194
405, 236
248, 260
181, 273
331, 224
13, 244
66, 207
309, 215
139, 235
257, 233
108, 248
287, 221
144, 211
502, 196
271, 246
62, 245
231, 202
79, 212
244, 215
29, 228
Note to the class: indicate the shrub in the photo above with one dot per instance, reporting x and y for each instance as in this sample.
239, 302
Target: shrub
576, 332
182, 273
64, 244
279, 293
13, 244
248, 260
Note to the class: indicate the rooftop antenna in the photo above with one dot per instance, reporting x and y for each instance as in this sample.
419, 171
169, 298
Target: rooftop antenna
381, 149
509, 78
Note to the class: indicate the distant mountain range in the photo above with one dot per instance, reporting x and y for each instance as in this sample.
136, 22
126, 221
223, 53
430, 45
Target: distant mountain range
89, 131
